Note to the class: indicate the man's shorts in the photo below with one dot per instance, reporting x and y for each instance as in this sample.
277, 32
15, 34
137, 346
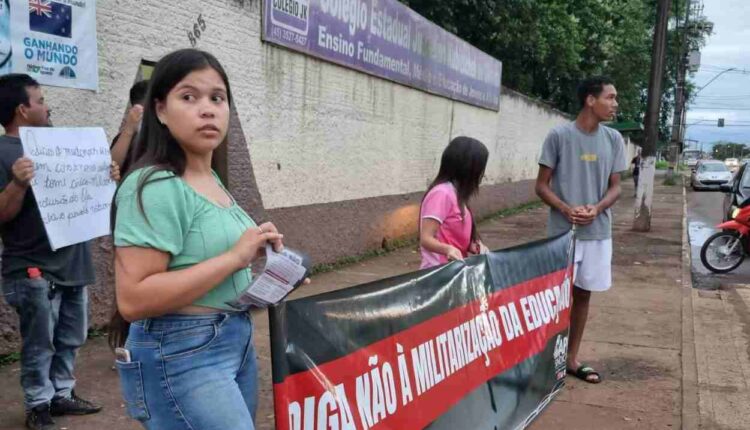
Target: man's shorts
593, 265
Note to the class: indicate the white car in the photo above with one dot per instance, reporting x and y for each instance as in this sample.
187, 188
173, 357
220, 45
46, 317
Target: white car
732, 163
710, 175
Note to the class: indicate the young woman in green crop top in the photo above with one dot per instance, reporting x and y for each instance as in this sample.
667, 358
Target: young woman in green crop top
183, 248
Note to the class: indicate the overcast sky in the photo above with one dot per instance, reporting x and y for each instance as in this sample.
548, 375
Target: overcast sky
728, 96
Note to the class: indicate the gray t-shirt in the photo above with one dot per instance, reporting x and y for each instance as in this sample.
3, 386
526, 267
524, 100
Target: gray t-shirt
25, 241
582, 164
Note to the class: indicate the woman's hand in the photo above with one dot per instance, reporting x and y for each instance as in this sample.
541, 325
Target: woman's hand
453, 254
268, 227
252, 243
477, 247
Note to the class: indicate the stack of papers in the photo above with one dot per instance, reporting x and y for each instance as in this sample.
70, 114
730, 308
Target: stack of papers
284, 271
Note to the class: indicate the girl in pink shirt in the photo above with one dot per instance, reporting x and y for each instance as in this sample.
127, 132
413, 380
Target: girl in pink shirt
447, 228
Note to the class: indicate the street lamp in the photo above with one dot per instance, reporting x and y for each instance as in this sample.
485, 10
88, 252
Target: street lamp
714, 78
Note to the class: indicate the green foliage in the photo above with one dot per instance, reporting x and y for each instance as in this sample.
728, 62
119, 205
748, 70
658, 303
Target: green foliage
723, 150
95, 332
6, 359
662, 165
548, 46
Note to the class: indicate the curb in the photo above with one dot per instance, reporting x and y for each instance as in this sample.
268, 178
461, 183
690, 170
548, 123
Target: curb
690, 398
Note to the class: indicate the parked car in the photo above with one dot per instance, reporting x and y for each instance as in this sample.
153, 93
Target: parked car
710, 175
737, 191
732, 164
690, 158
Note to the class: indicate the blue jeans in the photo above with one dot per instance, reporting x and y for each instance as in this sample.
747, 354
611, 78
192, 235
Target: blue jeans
54, 323
191, 372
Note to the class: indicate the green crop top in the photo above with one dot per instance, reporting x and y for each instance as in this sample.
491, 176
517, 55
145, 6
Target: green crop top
185, 224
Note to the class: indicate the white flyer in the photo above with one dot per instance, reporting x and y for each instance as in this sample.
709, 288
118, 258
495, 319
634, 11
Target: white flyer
283, 272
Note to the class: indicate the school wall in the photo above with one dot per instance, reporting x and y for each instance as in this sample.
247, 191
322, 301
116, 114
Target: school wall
336, 158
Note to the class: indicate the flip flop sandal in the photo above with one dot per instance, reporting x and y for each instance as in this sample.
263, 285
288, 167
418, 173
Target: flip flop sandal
584, 372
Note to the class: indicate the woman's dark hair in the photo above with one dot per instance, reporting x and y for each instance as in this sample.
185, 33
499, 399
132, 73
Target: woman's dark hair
462, 164
156, 149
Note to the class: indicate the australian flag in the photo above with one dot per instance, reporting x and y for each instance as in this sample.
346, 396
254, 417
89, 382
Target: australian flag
50, 17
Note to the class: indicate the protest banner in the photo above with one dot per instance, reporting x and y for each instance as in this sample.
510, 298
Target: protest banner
54, 42
72, 184
479, 344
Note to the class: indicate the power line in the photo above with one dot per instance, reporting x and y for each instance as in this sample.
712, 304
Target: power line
728, 103
722, 69
721, 97
718, 108
699, 120
720, 66
714, 125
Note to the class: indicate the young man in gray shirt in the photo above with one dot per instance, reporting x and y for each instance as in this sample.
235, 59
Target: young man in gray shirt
579, 178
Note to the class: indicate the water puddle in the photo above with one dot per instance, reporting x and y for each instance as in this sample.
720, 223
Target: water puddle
698, 232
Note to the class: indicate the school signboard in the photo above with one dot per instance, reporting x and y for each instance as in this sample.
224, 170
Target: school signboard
386, 39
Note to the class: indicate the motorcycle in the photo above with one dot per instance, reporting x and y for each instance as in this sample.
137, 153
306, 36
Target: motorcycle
726, 250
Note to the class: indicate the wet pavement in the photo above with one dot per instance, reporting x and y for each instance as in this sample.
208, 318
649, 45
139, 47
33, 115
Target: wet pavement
658, 372
705, 211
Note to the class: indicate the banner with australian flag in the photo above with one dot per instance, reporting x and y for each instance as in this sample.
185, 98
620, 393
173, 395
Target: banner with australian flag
54, 41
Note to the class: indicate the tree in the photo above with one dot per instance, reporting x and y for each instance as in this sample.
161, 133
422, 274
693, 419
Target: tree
645, 189
723, 150
548, 46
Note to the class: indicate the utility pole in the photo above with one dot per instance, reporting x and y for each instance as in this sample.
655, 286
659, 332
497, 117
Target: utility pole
645, 192
680, 99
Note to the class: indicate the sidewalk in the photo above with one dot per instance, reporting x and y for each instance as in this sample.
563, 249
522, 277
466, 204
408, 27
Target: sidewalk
635, 336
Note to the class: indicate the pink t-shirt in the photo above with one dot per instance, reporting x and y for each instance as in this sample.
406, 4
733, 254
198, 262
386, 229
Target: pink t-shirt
441, 204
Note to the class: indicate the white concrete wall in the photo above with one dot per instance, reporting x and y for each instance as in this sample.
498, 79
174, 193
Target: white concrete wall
319, 133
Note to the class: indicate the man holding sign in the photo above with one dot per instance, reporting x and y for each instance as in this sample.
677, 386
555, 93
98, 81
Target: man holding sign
47, 288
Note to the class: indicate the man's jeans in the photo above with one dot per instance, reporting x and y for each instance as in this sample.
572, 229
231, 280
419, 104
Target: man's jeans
54, 323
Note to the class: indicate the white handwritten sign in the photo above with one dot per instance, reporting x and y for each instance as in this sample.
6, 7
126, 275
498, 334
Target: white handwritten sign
71, 183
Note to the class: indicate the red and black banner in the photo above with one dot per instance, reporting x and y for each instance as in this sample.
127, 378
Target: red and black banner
478, 344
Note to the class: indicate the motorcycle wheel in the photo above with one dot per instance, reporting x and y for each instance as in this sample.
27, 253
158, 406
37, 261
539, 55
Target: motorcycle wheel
716, 255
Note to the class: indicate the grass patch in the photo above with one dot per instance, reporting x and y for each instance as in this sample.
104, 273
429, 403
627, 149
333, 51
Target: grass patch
670, 181
8, 359
662, 165
514, 210
97, 332
405, 242
390, 246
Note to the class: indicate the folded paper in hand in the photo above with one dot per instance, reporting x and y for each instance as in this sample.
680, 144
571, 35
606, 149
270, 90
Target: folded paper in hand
284, 271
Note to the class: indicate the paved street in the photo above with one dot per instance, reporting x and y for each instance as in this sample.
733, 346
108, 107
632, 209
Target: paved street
704, 212
720, 328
